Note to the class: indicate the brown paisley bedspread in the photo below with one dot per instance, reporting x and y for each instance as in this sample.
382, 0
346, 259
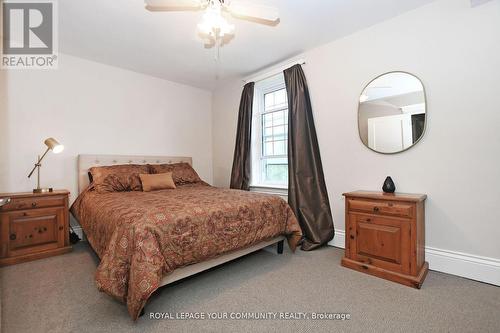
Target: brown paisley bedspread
142, 236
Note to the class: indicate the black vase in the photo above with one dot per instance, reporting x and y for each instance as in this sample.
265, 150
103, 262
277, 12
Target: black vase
389, 186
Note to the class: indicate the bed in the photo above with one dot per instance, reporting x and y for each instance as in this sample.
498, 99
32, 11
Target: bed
146, 240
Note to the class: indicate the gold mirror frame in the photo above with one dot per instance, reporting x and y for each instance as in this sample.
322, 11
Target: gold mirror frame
426, 109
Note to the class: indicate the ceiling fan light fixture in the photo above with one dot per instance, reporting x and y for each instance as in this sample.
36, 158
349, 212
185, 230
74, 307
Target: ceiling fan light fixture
213, 24
214, 29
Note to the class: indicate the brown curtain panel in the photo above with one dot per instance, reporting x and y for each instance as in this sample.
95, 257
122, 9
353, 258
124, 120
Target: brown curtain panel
307, 193
240, 174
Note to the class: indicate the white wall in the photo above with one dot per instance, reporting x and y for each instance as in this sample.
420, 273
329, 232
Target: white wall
95, 108
455, 50
225, 104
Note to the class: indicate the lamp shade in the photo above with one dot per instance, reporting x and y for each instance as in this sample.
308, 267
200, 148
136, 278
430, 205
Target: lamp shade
54, 145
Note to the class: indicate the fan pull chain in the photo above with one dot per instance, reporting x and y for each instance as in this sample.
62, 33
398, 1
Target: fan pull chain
218, 42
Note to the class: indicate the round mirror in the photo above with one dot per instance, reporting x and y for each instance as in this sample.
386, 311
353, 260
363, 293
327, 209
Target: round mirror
392, 113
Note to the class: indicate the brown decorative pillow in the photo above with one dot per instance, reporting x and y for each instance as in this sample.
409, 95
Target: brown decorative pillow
160, 181
118, 178
182, 173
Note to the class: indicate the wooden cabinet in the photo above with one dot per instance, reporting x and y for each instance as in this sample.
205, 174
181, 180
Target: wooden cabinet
33, 226
385, 236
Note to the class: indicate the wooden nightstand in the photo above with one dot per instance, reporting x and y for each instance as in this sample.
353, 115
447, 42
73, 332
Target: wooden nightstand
385, 236
33, 226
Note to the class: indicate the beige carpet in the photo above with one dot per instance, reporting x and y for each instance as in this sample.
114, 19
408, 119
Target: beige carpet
58, 295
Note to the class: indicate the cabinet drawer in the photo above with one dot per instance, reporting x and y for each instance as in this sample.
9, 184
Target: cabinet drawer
32, 203
31, 231
382, 207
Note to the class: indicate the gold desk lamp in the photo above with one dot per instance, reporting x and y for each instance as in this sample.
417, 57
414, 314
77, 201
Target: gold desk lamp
56, 147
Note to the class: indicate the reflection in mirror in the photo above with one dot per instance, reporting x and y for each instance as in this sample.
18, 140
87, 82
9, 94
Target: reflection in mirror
392, 113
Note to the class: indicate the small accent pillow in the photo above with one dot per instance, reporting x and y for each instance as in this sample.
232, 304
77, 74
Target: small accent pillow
182, 173
118, 178
155, 182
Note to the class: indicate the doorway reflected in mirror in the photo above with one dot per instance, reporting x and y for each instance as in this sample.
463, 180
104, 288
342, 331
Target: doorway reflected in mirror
392, 113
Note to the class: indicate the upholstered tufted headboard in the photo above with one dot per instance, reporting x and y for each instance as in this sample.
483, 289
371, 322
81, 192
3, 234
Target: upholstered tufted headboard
85, 162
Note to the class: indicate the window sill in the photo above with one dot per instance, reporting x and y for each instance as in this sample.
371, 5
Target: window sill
282, 191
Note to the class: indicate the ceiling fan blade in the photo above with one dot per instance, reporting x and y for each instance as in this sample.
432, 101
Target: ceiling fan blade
172, 5
254, 12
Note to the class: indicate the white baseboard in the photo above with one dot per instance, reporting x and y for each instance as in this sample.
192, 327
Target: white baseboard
470, 266
339, 239
466, 265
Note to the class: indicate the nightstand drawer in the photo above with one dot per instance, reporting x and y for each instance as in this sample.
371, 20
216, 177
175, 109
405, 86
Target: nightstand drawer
35, 230
34, 202
381, 207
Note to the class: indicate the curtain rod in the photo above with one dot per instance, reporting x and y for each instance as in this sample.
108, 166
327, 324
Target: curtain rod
272, 72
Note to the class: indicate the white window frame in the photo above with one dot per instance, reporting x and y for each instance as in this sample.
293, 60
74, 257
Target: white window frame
262, 88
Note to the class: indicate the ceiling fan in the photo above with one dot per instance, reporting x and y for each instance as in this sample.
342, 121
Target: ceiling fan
214, 28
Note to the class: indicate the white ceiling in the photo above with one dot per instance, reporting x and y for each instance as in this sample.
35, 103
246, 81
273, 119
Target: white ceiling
392, 84
165, 44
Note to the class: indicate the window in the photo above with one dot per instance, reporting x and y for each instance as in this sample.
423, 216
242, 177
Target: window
270, 134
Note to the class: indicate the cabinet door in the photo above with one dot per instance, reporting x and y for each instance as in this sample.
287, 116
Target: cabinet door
381, 241
35, 230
